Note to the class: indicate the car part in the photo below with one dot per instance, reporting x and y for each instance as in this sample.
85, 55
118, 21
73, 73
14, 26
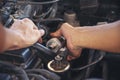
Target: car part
49, 15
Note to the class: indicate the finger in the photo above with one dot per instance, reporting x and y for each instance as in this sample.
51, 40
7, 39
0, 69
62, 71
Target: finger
56, 34
30, 23
69, 58
42, 32
15, 20
27, 20
40, 40
35, 27
73, 54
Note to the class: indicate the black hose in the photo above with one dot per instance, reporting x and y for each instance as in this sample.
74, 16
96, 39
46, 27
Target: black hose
90, 56
52, 20
105, 71
102, 54
47, 74
37, 77
12, 69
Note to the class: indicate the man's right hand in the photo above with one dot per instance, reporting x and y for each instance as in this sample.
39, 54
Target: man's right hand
69, 33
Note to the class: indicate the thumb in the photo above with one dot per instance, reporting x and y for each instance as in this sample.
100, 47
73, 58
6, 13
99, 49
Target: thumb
42, 32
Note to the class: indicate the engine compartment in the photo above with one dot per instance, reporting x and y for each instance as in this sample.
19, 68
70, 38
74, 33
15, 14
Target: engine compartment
49, 57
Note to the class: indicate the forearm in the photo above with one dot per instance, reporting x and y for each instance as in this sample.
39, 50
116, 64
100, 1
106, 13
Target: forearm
13, 40
103, 37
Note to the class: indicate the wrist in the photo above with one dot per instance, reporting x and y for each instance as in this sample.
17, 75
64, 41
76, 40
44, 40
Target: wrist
79, 37
71, 34
13, 39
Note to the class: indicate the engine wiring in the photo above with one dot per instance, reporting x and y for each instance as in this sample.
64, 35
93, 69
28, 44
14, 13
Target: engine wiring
37, 77
44, 14
44, 73
101, 56
28, 74
11, 69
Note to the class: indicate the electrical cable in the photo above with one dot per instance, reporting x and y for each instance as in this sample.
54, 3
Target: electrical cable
102, 54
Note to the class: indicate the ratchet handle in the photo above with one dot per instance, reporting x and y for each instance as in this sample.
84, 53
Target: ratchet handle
44, 50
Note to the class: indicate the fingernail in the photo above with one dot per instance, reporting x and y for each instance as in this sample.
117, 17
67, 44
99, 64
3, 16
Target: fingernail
42, 32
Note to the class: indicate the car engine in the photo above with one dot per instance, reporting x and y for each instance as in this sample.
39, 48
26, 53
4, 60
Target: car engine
47, 60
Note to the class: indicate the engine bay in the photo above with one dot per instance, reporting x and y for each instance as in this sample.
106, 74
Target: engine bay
47, 60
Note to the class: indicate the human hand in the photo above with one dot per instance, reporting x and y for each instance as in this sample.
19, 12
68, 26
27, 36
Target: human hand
28, 32
69, 33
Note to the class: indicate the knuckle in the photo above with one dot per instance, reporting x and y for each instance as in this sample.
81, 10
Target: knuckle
37, 33
26, 19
